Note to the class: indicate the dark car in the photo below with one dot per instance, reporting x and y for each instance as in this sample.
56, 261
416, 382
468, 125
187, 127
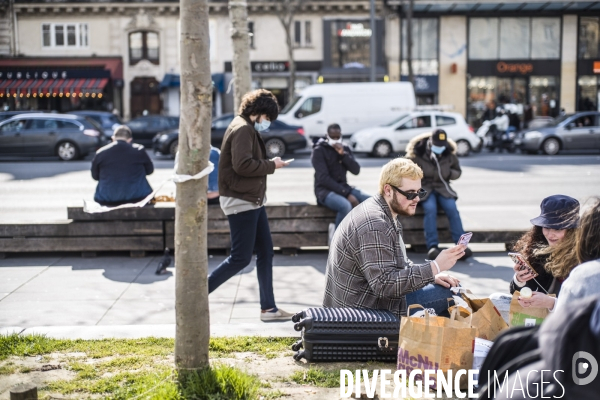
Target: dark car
279, 138
107, 120
67, 136
145, 128
580, 131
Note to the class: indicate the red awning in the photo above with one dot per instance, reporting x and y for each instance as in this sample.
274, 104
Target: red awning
53, 86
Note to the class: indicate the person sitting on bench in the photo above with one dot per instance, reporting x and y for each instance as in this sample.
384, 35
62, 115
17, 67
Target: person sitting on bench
367, 265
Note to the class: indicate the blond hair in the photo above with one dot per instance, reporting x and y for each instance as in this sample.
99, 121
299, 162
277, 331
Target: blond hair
398, 168
563, 256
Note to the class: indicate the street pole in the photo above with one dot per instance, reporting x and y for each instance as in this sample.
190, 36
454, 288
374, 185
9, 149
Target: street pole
373, 53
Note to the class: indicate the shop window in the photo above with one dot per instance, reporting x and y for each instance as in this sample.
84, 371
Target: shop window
302, 34
423, 121
143, 45
64, 35
514, 38
424, 46
589, 32
441, 120
351, 44
588, 93
311, 106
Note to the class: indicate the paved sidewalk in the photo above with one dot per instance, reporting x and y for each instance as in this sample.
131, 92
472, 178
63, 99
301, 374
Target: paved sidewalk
118, 296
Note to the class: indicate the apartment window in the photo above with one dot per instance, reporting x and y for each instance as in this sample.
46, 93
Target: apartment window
65, 35
589, 33
424, 47
302, 34
514, 38
251, 33
143, 45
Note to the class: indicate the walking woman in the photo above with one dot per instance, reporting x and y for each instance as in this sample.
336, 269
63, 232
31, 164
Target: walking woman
243, 170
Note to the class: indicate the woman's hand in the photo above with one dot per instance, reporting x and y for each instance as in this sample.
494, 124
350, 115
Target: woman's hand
524, 275
538, 300
446, 281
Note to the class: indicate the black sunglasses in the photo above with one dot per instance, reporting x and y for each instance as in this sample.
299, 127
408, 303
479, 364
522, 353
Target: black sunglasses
411, 195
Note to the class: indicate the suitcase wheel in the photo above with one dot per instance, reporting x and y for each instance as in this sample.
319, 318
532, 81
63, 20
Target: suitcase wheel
298, 326
299, 355
297, 317
297, 346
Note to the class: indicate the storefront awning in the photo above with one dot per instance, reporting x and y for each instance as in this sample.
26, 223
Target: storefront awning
173, 80
474, 7
52, 87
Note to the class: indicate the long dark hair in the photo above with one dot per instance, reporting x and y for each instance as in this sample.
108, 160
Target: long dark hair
532, 245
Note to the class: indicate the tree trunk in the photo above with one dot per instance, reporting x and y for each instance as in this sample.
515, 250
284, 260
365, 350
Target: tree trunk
242, 79
292, 64
192, 332
409, 41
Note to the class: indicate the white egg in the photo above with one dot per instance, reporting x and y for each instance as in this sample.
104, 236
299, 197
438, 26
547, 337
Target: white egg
526, 293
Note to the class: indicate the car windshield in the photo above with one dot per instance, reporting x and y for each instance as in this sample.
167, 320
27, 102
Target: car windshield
94, 123
396, 120
559, 119
290, 105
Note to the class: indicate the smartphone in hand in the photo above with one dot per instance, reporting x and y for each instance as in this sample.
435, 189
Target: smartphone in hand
464, 239
519, 260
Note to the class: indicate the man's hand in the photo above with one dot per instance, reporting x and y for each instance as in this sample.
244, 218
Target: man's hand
524, 275
353, 200
446, 281
339, 148
538, 300
448, 257
279, 163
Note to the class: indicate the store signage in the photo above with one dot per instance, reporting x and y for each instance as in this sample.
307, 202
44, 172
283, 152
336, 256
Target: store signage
522, 68
33, 74
270, 66
354, 30
597, 67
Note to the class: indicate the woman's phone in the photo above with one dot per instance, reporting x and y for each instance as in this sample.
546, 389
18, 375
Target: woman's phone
518, 259
464, 239
288, 161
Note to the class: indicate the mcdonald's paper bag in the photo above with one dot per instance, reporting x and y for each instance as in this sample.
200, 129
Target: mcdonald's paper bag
486, 319
435, 343
521, 316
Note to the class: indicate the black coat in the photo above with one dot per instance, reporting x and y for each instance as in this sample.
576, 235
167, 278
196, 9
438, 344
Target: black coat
330, 170
544, 282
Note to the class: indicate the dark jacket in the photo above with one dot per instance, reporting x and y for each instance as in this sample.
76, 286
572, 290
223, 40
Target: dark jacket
243, 166
330, 170
120, 169
419, 151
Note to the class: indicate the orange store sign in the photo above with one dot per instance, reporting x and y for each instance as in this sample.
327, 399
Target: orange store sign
597, 67
522, 68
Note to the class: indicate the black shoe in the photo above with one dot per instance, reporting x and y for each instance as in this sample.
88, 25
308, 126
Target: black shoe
433, 253
468, 253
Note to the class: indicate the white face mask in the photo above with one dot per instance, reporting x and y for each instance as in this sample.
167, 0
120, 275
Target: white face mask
333, 141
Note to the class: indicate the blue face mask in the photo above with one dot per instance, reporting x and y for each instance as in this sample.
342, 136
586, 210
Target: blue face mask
262, 126
438, 149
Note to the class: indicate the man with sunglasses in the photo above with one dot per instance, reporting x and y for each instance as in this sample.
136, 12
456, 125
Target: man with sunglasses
436, 155
367, 265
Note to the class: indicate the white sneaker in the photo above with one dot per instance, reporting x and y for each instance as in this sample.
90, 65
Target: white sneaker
279, 315
330, 232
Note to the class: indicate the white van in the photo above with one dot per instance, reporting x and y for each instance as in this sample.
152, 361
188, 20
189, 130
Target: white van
353, 106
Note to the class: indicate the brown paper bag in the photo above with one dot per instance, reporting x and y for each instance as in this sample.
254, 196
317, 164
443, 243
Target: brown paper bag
435, 343
486, 319
521, 316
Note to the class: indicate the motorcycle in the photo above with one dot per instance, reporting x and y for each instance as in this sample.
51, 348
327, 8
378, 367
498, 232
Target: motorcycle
494, 138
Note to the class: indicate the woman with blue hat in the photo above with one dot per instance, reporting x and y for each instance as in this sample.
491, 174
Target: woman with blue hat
549, 247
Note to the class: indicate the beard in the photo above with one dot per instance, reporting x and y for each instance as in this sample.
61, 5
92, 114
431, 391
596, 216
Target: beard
397, 208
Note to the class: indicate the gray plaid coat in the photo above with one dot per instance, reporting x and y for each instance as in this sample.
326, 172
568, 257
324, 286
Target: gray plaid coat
365, 267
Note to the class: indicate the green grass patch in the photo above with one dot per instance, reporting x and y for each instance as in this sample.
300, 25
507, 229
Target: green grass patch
317, 377
7, 369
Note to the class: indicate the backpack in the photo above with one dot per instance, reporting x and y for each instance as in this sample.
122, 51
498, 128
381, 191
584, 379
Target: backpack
568, 348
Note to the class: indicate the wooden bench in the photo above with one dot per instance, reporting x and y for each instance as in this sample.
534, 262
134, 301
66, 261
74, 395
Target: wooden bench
152, 228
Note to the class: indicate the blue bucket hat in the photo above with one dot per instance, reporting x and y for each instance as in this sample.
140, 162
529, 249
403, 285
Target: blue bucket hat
558, 212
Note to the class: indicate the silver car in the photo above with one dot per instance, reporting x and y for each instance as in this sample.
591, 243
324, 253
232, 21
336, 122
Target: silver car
67, 136
568, 132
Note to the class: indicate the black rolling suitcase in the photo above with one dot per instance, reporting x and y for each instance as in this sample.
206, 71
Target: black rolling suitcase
346, 334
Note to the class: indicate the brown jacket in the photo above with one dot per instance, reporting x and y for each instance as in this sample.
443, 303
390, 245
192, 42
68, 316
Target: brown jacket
243, 167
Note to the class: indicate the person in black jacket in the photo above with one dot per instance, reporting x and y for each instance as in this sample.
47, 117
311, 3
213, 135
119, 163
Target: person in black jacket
331, 160
120, 169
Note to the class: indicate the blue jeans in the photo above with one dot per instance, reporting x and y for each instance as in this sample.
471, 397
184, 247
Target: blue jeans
341, 204
431, 296
249, 232
430, 219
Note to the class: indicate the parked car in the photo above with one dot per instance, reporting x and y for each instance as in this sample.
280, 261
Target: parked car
4, 115
107, 120
67, 136
568, 132
279, 138
381, 141
145, 128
